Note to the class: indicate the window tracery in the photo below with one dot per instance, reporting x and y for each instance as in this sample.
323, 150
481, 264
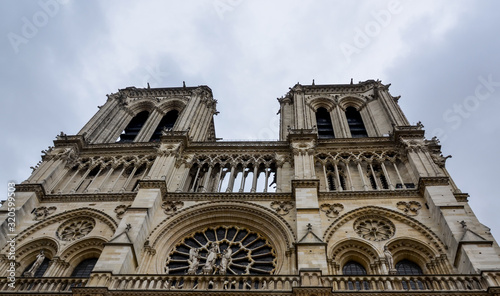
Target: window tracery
75, 228
374, 228
222, 250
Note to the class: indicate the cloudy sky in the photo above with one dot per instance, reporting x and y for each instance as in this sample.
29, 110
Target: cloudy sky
60, 58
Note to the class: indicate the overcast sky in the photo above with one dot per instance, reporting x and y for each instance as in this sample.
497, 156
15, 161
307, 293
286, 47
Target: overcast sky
59, 59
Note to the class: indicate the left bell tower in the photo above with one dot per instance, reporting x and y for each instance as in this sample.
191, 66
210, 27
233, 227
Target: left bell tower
141, 114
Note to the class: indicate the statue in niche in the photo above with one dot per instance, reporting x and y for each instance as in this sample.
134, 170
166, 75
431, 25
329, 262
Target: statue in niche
194, 261
225, 260
390, 260
39, 259
213, 252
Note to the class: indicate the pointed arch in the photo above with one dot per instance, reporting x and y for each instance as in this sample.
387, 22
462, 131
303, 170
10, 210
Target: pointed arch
435, 241
241, 214
353, 249
86, 212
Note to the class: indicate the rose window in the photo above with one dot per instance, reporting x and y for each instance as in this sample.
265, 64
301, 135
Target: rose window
374, 228
75, 228
222, 250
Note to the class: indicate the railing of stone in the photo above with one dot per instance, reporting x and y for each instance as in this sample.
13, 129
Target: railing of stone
44, 284
404, 283
203, 282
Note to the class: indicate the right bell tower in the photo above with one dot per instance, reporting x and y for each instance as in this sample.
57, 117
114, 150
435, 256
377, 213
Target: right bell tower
358, 165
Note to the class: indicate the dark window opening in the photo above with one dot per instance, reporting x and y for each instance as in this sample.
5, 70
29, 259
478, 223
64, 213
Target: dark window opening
354, 268
84, 268
133, 128
355, 123
167, 122
407, 267
331, 183
324, 124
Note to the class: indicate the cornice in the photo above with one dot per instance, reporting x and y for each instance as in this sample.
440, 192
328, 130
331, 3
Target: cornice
360, 87
374, 194
154, 184
423, 182
461, 197
220, 196
90, 197
37, 188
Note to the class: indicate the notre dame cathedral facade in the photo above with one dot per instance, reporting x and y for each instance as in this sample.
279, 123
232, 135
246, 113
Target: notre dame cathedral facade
145, 199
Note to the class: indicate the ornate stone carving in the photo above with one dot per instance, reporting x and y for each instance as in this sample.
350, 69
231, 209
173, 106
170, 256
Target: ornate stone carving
39, 259
410, 208
120, 210
42, 212
332, 210
222, 250
374, 228
76, 228
282, 207
170, 207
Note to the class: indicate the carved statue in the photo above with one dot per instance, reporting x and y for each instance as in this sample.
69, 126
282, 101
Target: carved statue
389, 259
213, 251
226, 260
194, 260
39, 259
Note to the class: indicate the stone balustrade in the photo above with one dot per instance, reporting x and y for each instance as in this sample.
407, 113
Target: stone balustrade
284, 283
203, 282
42, 285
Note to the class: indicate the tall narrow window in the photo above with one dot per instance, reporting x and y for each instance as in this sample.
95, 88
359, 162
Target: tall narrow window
84, 268
167, 122
324, 124
133, 128
355, 123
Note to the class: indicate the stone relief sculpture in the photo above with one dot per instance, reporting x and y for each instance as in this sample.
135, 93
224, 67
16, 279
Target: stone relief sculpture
39, 259
226, 259
213, 253
194, 260
390, 260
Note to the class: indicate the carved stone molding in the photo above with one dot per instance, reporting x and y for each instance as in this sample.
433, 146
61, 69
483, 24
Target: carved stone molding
410, 208
332, 210
42, 212
171, 207
282, 207
374, 228
120, 210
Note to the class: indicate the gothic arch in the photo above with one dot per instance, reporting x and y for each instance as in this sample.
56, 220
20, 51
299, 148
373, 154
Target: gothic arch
80, 250
86, 212
172, 104
27, 253
242, 214
144, 105
321, 101
353, 249
413, 250
387, 213
352, 100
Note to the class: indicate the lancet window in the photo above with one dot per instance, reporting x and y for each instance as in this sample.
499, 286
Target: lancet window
101, 174
362, 171
324, 124
133, 128
167, 122
232, 173
355, 122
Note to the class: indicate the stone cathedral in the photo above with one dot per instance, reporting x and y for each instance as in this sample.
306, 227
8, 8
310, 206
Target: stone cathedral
146, 200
